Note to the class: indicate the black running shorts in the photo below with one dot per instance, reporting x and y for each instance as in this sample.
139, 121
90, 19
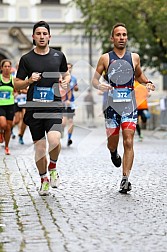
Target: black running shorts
7, 111
38, 127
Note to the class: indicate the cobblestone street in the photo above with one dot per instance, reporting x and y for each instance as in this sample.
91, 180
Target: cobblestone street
86, 213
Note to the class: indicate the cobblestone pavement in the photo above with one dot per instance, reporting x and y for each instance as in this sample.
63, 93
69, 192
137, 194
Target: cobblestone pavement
86, 213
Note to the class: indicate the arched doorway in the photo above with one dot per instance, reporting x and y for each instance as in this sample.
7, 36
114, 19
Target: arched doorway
2, 56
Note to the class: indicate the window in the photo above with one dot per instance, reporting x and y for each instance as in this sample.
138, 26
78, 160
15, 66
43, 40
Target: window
2, 56
50, 1
164, 82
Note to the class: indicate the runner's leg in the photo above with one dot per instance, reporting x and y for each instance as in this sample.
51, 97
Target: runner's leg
54, 144
40, 155
128, 156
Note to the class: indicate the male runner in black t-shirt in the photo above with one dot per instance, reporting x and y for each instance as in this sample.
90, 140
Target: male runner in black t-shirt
42, 70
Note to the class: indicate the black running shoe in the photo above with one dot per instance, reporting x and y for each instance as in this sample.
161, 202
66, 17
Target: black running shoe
69, 142
13, 135
129, 186
116, 160
125, 186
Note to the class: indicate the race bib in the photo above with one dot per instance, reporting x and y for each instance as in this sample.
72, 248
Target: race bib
122, 95
21, 101
43, 94
4, 95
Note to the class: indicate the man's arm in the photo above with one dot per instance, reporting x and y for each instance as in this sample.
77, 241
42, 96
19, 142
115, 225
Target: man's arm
64, 80
20, 84
101, 67
76, 86
139, 75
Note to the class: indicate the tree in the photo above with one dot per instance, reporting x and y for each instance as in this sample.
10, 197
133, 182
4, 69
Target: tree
146, 22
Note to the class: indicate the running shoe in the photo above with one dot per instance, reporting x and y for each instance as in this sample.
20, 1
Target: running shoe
44, 190
54, 179
13, 135
125, 186
21, 140
1, 138
69, 142
7, 151
140, 139
116, 160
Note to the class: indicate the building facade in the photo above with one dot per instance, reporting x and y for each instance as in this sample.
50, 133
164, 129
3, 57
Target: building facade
17, 18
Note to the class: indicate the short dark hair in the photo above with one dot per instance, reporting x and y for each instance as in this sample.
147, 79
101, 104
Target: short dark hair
115, 26
40, 24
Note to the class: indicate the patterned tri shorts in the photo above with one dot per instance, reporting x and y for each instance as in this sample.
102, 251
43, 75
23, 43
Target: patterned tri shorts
123, 115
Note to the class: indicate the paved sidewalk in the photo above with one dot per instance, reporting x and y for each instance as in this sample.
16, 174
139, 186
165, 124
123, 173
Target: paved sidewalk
86, 213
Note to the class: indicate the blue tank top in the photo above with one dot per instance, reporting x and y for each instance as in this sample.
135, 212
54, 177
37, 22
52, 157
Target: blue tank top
127, 56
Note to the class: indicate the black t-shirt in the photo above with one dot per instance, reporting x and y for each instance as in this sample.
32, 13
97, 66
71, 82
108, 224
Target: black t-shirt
54, 61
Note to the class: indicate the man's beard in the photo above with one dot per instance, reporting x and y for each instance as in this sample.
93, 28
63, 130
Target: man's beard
120, 47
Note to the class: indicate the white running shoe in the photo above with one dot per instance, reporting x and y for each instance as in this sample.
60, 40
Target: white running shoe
44, 190
54, 179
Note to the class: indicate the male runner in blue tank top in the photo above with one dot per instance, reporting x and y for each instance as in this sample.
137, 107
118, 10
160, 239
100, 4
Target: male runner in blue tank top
120, 113
41, 70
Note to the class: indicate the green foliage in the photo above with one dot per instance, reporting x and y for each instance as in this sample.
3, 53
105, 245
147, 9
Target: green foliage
146, 23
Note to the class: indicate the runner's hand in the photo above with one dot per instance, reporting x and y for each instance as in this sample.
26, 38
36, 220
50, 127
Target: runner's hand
34, 77
63, 83
150, 86
104, 87
67, 102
